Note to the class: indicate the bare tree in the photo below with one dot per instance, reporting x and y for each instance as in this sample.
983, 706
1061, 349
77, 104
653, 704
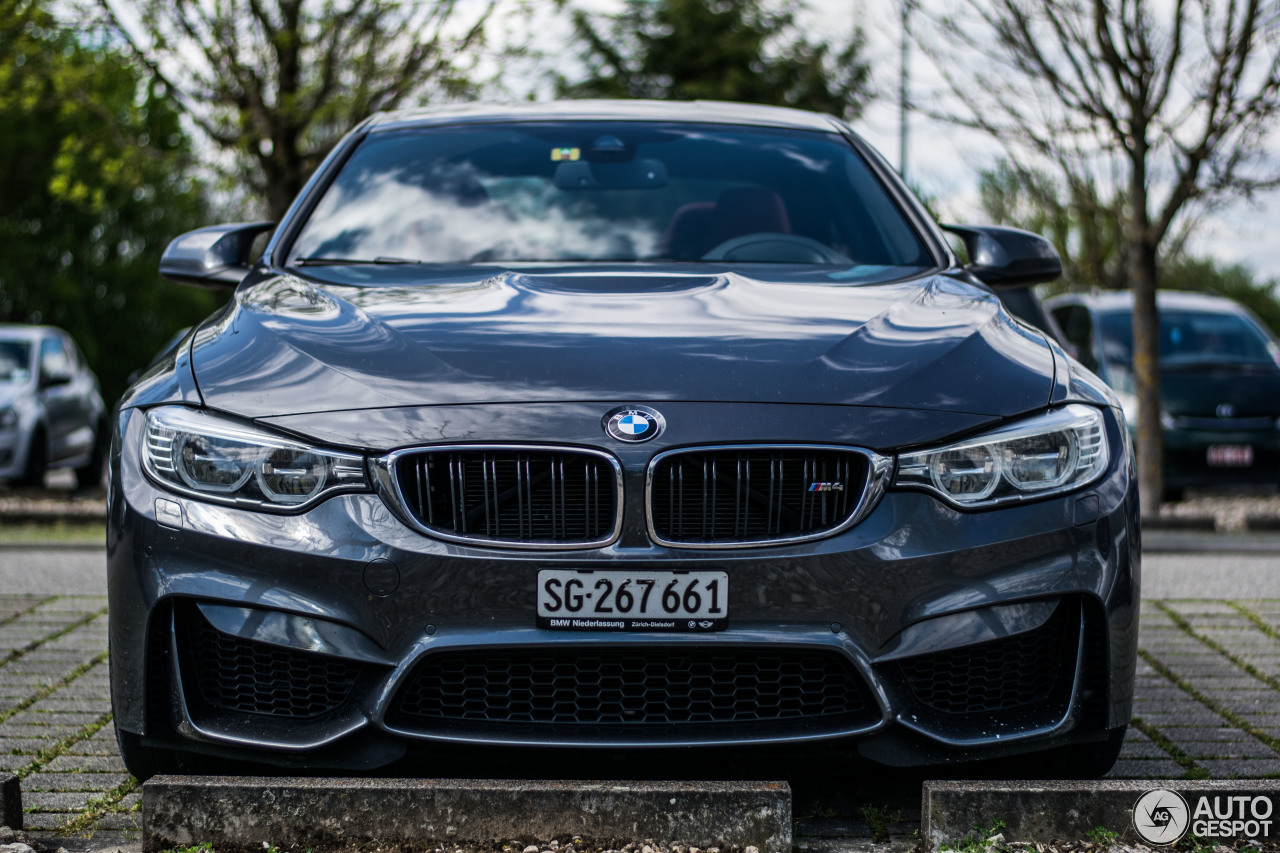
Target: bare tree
1170, 102
275, 83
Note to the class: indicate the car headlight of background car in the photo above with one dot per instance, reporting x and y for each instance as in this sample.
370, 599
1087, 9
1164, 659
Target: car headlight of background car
225, 461
1052, 453
8, 418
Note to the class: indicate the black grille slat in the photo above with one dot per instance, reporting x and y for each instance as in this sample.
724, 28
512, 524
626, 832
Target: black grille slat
631, 687
248, 677
533, 496
999, 675
745, 495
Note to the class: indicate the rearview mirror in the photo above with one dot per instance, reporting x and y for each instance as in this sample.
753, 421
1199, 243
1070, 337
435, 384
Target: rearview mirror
217, 256
634, 175
1008, 257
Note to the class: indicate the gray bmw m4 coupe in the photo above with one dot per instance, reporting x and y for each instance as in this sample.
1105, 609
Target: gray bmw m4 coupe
626, 426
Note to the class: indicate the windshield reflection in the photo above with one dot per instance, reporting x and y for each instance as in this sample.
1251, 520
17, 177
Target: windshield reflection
607, 192
15, 361
1190, 338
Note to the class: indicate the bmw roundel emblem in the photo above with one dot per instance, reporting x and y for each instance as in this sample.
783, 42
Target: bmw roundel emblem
633, 424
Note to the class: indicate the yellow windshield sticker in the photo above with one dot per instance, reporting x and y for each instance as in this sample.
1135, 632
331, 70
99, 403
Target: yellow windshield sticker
558, 154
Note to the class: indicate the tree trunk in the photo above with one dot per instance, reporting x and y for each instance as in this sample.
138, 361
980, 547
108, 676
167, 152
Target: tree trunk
1149, 439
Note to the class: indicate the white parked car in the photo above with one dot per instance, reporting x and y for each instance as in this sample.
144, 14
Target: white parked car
51, 411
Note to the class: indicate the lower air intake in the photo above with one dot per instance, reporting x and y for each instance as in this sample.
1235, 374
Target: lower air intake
999, 675
239, 675
632, 688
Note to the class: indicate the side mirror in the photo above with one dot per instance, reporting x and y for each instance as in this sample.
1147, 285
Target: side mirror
54, 378
1008, 257
217, 256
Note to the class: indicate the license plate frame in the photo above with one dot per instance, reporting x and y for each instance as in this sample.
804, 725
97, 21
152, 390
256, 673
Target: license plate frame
650, 593
1229, 456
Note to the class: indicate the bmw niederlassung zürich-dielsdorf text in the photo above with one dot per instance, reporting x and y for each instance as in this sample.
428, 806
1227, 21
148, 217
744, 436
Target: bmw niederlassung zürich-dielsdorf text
617, 426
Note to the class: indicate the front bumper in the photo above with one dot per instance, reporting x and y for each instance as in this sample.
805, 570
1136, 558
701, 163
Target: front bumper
928, 614
13, 451
1187, 462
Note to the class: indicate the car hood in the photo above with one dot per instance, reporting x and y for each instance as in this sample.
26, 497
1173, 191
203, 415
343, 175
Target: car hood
1250, 390
287, 345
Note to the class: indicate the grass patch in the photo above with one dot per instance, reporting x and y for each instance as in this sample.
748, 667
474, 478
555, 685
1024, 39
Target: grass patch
105, 804
878, 821
1188, 629
44, 756
978, 840
1191, 770
17, 654
60, 533
1226, 713
1102, 836
1254, 619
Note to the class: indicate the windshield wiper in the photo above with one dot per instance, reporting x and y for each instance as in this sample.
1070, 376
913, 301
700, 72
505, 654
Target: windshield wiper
334, 262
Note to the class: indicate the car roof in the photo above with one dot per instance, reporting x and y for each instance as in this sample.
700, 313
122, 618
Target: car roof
711, 112
21, 332
1122, 300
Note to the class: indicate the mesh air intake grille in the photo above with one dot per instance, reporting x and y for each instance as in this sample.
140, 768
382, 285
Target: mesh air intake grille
651, 686
255, 678
997, 675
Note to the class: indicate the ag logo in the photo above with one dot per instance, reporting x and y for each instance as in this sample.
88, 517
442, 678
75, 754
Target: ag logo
1161, 817
633, 424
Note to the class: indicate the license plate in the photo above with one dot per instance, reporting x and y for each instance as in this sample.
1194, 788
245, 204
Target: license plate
611, 600
1230, 455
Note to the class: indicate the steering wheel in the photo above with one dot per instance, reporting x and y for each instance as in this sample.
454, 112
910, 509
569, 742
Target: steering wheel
777, 248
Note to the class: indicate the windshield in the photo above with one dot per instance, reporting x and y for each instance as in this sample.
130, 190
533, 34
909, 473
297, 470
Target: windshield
608, 191
15, 361
1191, 338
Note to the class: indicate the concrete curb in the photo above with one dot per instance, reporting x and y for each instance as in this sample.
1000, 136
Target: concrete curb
1048, 810
52, 546
1190, 541
331, 814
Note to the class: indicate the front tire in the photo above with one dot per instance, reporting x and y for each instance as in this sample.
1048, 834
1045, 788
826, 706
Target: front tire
1083, 760
90, 476
144, 761
37, 459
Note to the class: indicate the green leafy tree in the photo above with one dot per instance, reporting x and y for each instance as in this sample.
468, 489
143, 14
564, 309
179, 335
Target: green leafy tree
725, 50
93, 173
275, 83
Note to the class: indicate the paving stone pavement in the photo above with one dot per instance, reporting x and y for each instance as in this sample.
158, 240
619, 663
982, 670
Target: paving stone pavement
1207, 706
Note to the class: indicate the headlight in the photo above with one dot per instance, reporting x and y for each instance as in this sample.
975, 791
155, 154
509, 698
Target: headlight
1052, 453
225, 461
8, 418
